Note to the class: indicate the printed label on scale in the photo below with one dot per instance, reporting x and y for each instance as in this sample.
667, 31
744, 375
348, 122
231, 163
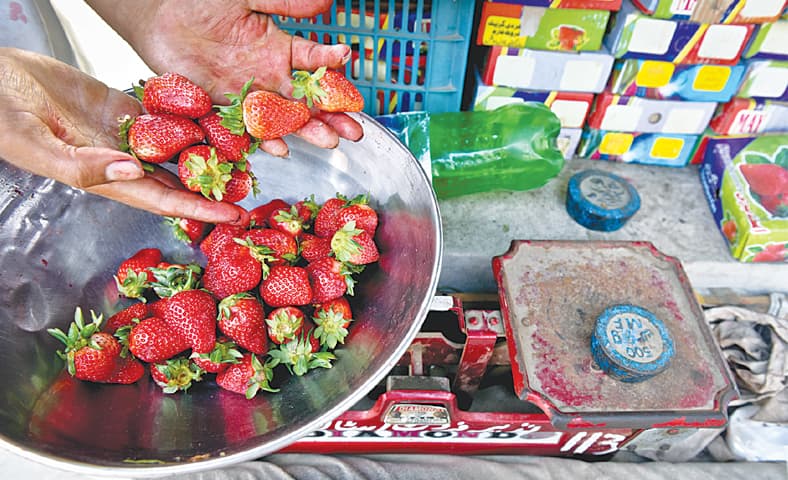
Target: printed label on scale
635, 337
605, 192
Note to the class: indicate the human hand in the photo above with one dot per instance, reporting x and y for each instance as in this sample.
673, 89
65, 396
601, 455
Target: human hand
223, 43
63, 124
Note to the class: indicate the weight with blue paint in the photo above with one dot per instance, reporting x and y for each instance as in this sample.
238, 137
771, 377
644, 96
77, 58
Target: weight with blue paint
601, 201
631, 344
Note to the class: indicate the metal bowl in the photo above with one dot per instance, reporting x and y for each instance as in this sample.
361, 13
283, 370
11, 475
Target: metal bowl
60, 247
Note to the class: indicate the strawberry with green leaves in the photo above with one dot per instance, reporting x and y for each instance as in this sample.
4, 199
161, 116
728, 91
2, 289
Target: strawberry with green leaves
231, 146
219, 238
328, 90
156, 138
271, 246
242, 319
284, 324
192, 314
132, 277
358, 211
174, 94
258, 216
332, 320
176, 374
152, 340
286, 285
233, 270
187, 230
247, 377
326, 219
242, 182
202, 170
352, 245
223, 355
331, 279
171, 278
89, 354
126, 316
302, 354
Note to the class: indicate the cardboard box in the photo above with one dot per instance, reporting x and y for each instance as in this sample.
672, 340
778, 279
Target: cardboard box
741, 186
662, 80
611, 5
519, 26
765, 79
634, 114
568, 141
546, 70
669, 150
636, 35
769, 42
743, 116
714, 11
570, 108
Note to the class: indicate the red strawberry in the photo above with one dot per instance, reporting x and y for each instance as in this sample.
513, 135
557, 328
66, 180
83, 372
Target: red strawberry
169, 278
192, 314
287, 220
328, 90
222, 356
774, 252
241, 183
128, 370
285, 286
158, 138
242, 319
157, 307
176, 374
124, 317
201, 169
307, 209
284, 324
359, 211
259, 215
351, 245
766, 178
152, 340
173, 93
330, 279
187, 230
132, 277
325, 221
313, 247
89, 354
302, 354
247, 377
222, 235
231, 146
332, 319
282, 246
234, 270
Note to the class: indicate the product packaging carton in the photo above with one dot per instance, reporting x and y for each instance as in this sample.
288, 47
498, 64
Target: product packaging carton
745, 180
634, 114
546, 70
521, 26
611, 5
765, 79
714, 11
742, 116
769, 42
662, 80
668, 150
636, 35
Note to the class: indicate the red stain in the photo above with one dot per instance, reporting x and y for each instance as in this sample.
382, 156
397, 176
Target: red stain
45, 262
578, 422
682, 422
16, 13
553, 377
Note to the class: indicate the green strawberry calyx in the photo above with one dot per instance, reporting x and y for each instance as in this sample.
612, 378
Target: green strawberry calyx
232, 115
261, 378
209, 175
283, 326
331, 327
343, 242
80, 335
180, 374
298, 357
307, 85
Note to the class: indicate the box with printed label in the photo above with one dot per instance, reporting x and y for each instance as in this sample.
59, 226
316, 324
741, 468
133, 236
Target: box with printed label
570, 108
742, 116
769, 42
568, 140
634, 114
545, 70
714, 11
665, 149
520, 26
745, 180
662, 80
766, 79
636, 35
611, 5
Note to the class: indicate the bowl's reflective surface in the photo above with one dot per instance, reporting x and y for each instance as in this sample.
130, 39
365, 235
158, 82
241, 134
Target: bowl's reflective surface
60, 248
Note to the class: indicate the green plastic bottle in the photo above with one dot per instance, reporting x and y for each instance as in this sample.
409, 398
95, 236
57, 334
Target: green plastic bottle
511, 148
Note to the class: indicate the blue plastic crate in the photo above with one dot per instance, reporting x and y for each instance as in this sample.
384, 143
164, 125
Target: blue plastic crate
407, 55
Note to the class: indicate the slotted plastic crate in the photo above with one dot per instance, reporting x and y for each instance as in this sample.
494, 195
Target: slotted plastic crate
407, 55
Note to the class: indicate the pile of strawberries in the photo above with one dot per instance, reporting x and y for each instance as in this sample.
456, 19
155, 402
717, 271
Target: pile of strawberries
272, 297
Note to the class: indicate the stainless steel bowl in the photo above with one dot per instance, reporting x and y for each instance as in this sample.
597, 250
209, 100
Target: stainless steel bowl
60, 247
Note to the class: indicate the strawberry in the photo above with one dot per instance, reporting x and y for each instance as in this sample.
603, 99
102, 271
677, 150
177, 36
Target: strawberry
132, 277
325, 221
175, 94
126, 316
247, 377
765, 178
358, 211
176, 374
128, 370
313, 247
158, 138
89, 354
187, 230
332, 319
307, 209
157, 307
330, 279
777, 205
328, 90
241, 318
259, 215
284, 324
241, 183
231, 146
285, 286
222, 356
301, 354
192, 314
222, 235
281, 246
152, 340
169, 278
201, 169
351, 245
265, 115
287, 220
232, 271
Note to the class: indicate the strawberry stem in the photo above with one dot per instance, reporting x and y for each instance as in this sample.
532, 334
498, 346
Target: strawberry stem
232, 115
306, 85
